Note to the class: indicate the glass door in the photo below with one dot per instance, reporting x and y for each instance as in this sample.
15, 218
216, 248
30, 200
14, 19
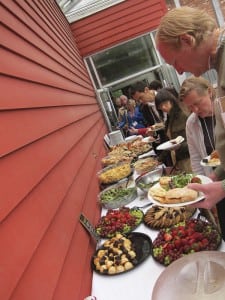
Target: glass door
107, 107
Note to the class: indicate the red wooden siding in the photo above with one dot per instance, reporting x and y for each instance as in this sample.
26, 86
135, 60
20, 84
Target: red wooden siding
51, 143
117, 24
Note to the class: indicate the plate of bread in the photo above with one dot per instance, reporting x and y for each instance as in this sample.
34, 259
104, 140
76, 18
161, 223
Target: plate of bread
172, 191
171, 144
211, 160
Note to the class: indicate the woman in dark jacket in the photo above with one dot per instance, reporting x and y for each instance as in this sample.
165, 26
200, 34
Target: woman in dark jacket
175, 126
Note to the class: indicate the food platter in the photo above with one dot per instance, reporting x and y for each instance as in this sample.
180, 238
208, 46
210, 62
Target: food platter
199, 197
197, 276
148, 179
208, 162
184, 238
117, 195
170, 145
154, 201
123, 220
158, 217
114, 173
144, 165
121, 254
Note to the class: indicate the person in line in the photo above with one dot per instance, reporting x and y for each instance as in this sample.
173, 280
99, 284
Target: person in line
132, 117
123, 106
175, 126
197, 94
141, 93
190, 40
155, 85
146, 97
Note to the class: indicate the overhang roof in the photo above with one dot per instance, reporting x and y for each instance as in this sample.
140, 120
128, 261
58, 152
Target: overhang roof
77, 9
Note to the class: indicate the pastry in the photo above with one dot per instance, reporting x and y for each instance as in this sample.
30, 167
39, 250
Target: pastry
159, 217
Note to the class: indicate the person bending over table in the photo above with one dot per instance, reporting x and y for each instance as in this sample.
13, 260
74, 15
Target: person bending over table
198, 95
175, 126
146, 97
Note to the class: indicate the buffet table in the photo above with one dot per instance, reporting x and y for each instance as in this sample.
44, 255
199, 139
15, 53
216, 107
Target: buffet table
137, 283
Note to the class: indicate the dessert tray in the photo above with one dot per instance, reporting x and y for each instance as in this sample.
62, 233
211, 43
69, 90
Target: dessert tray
158, 217
121, 253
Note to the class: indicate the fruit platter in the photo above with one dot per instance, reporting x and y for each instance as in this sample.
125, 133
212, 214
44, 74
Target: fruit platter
121, 253
184, 238
123, 220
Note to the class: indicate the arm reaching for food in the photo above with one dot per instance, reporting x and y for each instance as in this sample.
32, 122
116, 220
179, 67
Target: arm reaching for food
213, 192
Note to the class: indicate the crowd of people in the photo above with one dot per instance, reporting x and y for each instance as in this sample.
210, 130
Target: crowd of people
189, 40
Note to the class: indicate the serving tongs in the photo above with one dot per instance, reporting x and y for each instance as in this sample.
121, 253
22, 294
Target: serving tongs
144, 206
90, 228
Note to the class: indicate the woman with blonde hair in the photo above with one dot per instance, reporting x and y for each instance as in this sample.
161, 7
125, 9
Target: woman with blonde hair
197, 95
132, 117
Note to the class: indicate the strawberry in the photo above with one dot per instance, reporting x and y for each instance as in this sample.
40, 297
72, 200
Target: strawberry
167, 237
204, 242
177, 243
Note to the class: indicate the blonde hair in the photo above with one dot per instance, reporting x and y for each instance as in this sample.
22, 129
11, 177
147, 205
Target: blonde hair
178, 21
199, 84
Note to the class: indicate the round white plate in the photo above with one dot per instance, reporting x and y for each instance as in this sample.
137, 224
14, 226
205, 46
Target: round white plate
132, 138
204, 180
199, 275
169, 145
209, 164
149, 139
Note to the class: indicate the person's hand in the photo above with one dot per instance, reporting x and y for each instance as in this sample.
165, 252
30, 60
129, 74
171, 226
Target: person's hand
213, 193
149, 131
133, 130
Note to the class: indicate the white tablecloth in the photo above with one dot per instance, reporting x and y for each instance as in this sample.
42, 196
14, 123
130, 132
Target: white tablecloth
137, 283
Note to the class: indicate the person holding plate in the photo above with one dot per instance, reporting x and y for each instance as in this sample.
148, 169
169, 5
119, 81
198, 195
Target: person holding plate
190, 40
132, 117
197, 94
146, 97
175, 126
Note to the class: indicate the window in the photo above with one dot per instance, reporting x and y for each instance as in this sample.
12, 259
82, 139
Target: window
123, 60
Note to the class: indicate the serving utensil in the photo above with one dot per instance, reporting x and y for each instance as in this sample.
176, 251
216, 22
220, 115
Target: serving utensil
144, 206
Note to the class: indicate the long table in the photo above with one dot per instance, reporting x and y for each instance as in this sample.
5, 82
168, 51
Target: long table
137, 283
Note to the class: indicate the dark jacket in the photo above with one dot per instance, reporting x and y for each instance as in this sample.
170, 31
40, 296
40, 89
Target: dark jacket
150, 117
176, 124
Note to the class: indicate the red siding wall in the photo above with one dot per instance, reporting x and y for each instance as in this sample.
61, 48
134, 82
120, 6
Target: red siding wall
51, 143
117, 24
